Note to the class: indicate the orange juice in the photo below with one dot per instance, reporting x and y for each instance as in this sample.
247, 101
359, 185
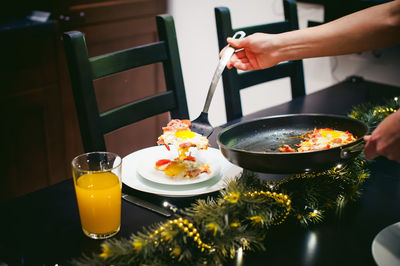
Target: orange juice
99, 202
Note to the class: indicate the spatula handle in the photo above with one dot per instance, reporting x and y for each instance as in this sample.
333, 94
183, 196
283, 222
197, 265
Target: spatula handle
220, 68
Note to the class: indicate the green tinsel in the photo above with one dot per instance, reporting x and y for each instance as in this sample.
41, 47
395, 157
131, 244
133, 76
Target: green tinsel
373, 114
211, 231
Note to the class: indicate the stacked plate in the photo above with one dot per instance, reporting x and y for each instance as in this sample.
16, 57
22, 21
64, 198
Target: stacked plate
386, 246
138, 172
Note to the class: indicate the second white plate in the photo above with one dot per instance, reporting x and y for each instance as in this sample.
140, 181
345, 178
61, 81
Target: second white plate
386, 246
146, 169
132, 179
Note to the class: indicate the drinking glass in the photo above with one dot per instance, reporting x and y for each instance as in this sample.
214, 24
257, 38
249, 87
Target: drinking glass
97, 181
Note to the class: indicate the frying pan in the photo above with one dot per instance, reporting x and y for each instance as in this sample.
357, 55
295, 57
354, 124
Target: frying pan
254, 144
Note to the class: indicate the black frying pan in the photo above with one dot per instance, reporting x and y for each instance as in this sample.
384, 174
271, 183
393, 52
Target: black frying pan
254, 144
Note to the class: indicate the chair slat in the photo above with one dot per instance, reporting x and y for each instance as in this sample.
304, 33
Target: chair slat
272, 28
251, 78
136, 111
107, 64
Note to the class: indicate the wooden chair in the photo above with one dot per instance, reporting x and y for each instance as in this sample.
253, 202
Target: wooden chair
84, 71
233, 81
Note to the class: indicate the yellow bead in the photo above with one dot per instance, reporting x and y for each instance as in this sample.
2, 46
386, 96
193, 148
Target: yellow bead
180, 219
185, 229
190, 225
180, 225
194, 230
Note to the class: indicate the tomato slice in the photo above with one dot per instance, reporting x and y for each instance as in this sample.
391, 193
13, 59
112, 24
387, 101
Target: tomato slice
190, 158
162, 162
162, 142
187, 122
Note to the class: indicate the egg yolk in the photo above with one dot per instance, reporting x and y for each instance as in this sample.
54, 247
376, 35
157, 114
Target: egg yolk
184, 134
333, 134
182, 153
175, 168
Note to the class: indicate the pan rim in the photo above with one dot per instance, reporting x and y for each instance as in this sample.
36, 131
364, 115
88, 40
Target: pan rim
359, 140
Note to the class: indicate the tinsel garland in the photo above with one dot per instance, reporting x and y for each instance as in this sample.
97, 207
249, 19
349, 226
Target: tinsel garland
211, 231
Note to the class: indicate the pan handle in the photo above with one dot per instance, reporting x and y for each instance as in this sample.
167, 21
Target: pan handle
348, 152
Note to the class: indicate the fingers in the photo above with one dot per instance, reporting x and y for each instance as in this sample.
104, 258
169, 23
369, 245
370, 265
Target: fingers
242, 65
239, 59
240, 54
235, 43
239, 62
370, 150
222, 52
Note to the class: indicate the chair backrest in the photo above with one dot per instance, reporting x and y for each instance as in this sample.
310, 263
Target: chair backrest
84, 70
233, 81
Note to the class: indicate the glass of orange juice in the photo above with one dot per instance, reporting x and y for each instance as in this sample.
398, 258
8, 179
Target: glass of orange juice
97, 181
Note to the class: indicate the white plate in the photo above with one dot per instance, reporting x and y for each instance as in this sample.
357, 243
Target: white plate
132, 179
386, 246
146, 169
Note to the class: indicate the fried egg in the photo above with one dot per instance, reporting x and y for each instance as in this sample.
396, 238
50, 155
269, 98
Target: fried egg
178, 133
177, 169
320, 139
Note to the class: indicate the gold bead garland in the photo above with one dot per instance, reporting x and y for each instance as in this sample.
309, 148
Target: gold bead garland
280, 198
332, 172
384, 110
186, 227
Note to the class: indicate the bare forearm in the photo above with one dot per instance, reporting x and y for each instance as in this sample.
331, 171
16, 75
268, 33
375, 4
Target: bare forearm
372, 28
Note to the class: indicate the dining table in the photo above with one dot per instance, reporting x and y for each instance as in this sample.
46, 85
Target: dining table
43, 227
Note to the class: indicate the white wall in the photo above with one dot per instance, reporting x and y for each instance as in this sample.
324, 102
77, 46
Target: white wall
198, 46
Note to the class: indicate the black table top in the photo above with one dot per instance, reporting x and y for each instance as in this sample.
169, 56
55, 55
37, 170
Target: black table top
44, 228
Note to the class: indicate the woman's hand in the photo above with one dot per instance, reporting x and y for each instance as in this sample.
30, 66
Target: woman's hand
257, 52
385, 139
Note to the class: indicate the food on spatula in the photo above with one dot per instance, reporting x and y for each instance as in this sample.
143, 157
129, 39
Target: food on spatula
321, 139
178, 133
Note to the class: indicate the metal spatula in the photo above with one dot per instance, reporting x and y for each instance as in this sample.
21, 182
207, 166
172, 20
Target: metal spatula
201, 124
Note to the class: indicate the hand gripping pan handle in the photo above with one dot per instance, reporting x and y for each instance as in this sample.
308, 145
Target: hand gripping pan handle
348, 152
